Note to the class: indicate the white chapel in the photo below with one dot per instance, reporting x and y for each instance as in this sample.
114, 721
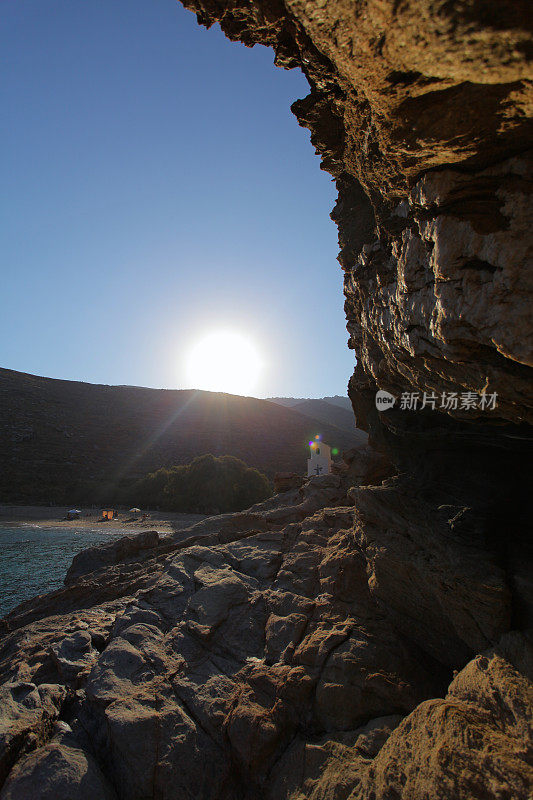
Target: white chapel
320, 461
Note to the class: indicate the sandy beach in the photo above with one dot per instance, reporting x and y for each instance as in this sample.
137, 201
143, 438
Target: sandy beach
90, 518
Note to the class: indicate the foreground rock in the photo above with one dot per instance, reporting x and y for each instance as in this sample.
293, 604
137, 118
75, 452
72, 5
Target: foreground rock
59, 769
27, 716
474, 743
265, 659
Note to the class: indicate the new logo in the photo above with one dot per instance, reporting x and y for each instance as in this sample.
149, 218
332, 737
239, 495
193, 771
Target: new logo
384, 400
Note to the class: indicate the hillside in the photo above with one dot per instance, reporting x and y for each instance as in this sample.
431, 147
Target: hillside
332, 415
334, 400
64, 441
287, 402
335, 410
339, 400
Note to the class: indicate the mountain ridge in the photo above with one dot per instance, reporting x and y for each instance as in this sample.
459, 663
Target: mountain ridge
80, 442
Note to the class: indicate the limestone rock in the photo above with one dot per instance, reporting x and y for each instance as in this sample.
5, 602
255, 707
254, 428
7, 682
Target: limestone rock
474, 743
75, 654
118, 551
27, 713
266, 658
367, 467
284, 481
26, 654
59, 769
442, 592
328, 768
421, 114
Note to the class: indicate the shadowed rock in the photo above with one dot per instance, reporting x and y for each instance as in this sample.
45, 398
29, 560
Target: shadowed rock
273, 660
59, 769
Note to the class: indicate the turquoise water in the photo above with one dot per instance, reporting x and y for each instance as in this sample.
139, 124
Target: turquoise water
34, 560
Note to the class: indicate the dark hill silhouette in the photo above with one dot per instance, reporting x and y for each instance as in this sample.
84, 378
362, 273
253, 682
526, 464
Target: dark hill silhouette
288, 402
331, 414
65, 441
335, 410
334, 400
339, 400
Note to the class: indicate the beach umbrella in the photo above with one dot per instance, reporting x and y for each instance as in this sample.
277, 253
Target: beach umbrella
134, 510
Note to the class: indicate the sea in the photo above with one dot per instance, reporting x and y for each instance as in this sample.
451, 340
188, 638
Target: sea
35, 559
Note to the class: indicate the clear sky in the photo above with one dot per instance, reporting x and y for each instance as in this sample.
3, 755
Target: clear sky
156, 187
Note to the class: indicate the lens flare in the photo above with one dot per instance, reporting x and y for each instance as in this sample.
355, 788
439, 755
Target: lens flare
224, 361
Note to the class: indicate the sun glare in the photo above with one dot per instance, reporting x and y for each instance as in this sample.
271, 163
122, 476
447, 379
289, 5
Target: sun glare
224, 361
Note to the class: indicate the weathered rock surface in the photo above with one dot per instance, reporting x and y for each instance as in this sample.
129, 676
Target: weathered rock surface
427, 578
26, 718
474, 743
285, 481
123, 551
59, 769
286, 652
365, 635
420, 111
364, 466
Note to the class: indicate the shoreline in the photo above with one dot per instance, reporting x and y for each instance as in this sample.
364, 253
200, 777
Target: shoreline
14, 516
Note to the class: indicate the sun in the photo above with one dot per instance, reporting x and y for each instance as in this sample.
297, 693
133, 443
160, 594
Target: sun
224, 361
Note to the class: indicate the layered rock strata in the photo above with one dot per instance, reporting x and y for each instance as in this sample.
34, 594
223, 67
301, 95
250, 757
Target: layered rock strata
420, 111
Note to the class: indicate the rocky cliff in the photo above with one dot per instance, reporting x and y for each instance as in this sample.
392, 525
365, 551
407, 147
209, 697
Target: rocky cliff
367, 635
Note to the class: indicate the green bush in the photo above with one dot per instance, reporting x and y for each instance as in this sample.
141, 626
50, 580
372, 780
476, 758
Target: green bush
205, 486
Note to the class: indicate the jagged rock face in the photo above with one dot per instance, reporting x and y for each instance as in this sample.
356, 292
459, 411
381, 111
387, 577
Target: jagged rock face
420, 112
300, 650
483, 707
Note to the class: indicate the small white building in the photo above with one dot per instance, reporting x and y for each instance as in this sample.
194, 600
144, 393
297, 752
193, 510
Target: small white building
320, 461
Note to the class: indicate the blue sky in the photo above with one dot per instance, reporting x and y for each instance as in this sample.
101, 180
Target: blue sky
155, 187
